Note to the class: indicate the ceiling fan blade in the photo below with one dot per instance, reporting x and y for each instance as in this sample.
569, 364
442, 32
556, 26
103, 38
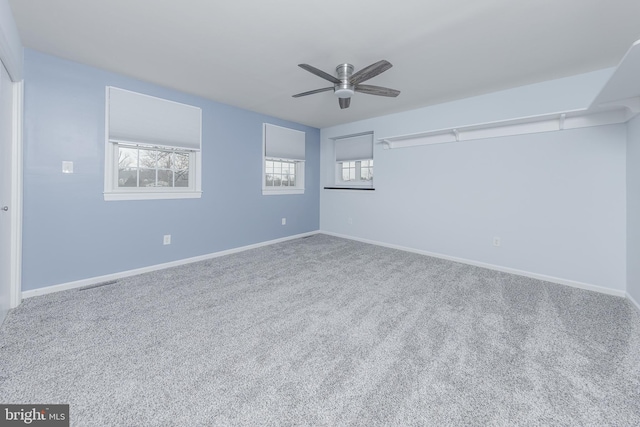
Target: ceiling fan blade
370, 71
319, 73
311, 92
344, 102
377, 90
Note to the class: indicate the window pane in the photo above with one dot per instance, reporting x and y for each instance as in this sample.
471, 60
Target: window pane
280, 173
145, 167
127, 157
366, 170
164, 159
148, 159
165, 178
180, 161
348, 171
181, 178
128, 177
147, 177
127, 167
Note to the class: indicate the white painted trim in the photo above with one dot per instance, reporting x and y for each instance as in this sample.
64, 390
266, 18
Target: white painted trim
557, 280
281, 192
131, 195
560, 121
109, 170
115, 276
16, 195
633, 301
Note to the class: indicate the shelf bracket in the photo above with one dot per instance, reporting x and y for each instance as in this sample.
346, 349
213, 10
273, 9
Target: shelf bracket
563, 116
456, 133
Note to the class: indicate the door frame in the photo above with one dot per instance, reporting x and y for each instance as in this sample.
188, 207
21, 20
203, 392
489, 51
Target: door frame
12, 59
15, 200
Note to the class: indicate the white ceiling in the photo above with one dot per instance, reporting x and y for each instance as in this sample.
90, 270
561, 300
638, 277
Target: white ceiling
245, 52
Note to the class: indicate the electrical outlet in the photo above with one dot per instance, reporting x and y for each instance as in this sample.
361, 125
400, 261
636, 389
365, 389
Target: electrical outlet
350, 220
167, 239
496, 241
67, 167
284, 221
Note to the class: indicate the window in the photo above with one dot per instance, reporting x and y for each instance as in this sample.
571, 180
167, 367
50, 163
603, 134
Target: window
283, 160
366, 170
355, 171
152, 148
348, 171
145, 167
354, 160
280, 173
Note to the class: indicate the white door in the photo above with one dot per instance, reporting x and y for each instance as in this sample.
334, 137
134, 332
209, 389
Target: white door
6, 121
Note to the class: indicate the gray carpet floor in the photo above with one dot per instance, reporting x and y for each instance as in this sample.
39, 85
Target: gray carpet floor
326, 331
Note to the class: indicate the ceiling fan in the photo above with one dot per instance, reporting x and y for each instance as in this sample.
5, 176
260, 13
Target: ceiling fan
346, 83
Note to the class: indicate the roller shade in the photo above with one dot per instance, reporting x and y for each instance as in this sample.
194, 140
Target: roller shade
354, 148
283, 143
143, 119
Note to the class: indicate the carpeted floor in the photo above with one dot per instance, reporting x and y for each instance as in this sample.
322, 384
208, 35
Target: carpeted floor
326, 331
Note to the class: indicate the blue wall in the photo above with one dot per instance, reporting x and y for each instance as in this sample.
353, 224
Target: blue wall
633, 210
70, 233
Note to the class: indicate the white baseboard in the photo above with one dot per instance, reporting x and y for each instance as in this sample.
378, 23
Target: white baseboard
557, 280
633, 301
120, 275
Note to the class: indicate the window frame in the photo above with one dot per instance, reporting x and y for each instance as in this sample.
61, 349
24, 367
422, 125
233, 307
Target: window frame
113, 192
273, 190
358, 181
299, 168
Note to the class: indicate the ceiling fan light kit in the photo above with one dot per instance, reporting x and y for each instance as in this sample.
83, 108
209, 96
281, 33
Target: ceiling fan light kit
347, 83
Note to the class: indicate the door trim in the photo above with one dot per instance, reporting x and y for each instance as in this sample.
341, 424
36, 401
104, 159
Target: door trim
16, 195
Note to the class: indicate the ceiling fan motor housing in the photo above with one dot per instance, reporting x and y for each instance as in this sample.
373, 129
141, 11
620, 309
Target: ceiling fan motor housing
344, 89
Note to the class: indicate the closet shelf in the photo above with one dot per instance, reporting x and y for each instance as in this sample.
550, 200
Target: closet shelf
617, 102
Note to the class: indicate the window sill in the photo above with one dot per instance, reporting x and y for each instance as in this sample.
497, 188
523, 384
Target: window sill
350, 188
280, 192
152, 195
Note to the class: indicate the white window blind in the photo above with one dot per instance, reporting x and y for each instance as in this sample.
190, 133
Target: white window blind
354, 148
143, 119
283, 143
